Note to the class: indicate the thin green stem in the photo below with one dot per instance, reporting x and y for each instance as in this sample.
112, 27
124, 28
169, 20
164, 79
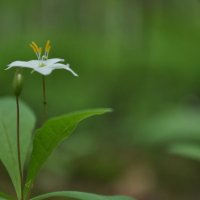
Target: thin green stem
18, 148
44, 95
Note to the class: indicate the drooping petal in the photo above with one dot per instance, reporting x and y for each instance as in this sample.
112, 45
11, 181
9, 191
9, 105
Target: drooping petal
63, 66
46, 70
53, 61
30, 64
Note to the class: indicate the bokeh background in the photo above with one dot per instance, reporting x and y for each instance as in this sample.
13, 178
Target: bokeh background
139, 57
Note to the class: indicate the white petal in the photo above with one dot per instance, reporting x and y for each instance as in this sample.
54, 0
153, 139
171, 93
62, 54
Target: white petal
63, 66
46, 70
53, 61
30, 64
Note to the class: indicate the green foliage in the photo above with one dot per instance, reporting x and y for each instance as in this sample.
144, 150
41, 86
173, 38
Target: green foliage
46, 139
5, 196
167, 128
191, 151
177, 132
50, 135
80, 196
8, 146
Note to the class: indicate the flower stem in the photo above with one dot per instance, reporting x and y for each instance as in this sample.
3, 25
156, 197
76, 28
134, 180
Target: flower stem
18, 147
44, 96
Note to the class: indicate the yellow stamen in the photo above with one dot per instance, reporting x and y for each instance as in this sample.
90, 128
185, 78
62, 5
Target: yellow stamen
36, 46
47, 47
34, 49
40, 50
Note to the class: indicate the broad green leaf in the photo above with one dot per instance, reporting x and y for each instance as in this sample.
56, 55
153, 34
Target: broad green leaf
8, 138
186, 150
50, 135
80, 196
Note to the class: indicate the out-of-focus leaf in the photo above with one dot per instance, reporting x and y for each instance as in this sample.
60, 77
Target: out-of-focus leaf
170, 127
4, 196
8, 138
50, 135
80, 196
186, 150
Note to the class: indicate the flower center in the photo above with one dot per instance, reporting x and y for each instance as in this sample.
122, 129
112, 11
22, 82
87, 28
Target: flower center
42, 65
38, 51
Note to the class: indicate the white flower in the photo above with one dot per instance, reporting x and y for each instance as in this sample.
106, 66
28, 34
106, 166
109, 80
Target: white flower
43, 65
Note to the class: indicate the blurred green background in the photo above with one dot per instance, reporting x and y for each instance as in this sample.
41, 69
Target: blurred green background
139, 57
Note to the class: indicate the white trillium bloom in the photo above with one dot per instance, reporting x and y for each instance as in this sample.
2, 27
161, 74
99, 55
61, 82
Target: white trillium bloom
43, 65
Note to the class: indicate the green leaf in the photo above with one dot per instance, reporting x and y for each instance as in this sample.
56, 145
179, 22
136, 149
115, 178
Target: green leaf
178, 125
50, 135
191, 151
8, 138
80, 196
4, 196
